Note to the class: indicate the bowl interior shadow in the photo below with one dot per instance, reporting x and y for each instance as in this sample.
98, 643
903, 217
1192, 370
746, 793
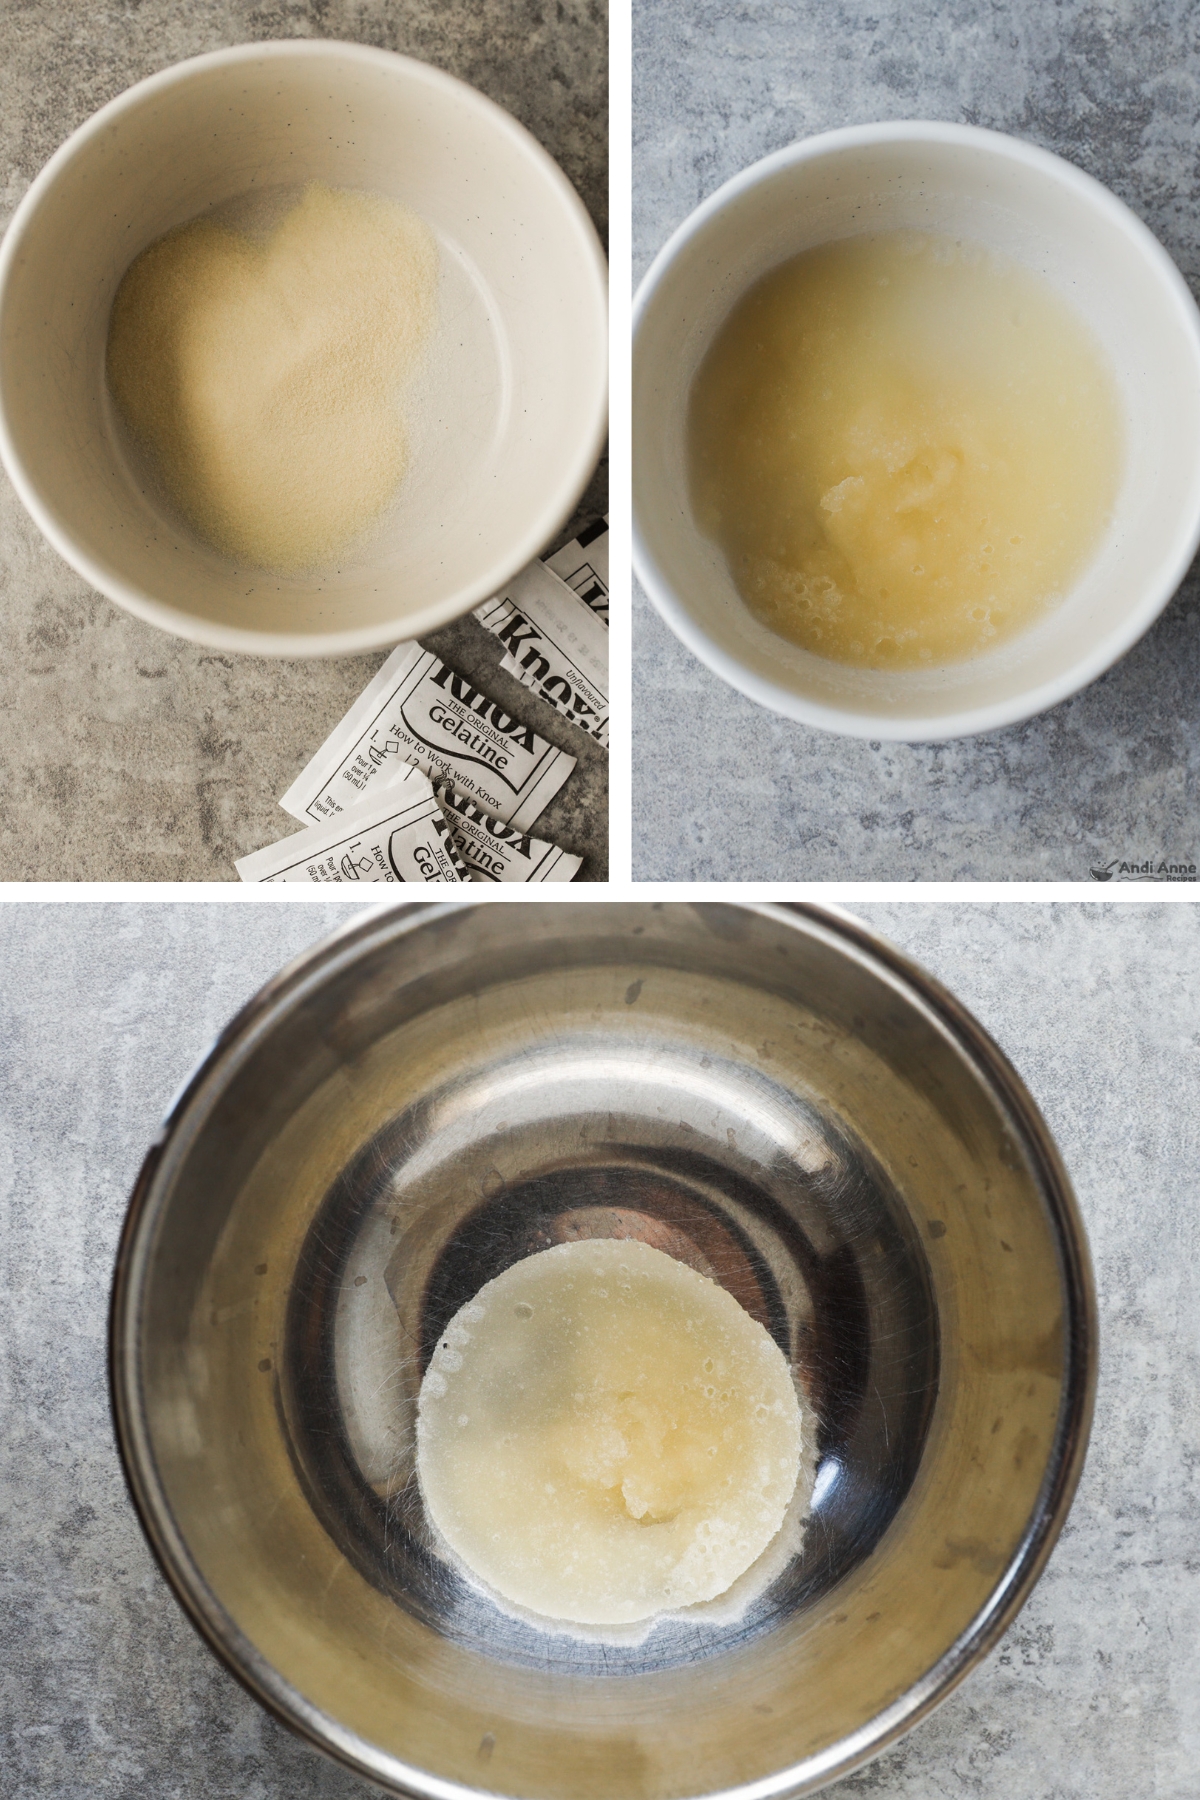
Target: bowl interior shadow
827, 1261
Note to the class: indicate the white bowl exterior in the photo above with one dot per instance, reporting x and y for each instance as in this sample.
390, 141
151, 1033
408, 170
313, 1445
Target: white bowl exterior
1022, 203
504, 449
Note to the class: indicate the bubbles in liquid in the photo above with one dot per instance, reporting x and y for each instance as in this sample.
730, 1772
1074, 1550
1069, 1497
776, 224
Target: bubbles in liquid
883, 425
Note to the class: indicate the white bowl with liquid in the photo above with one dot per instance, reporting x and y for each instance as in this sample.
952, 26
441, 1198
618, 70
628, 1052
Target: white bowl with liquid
1015, 200
506, 421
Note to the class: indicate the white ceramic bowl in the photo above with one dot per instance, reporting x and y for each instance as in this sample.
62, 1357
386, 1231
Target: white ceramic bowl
511, 423
1027, 205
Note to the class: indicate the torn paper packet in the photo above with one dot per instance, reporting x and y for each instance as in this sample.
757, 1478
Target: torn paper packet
554, 644
398, 833
494, 851
583, 565
418, 710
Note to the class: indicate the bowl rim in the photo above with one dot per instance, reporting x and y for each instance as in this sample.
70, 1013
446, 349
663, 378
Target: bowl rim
339, 950
573, 471
967, 721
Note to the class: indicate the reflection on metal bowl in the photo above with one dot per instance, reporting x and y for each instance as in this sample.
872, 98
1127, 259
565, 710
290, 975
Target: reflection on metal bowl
768, 1093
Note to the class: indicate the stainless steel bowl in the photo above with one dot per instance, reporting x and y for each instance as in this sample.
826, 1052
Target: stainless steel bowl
772, 1094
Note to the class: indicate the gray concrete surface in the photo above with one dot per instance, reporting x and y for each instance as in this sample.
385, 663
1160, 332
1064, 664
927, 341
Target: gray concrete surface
126, 755
105, 1691
724, 790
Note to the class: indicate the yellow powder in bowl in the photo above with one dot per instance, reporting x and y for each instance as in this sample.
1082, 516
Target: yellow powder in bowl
261, 376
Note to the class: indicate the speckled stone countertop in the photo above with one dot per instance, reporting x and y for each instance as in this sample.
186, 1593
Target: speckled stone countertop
106, 1691
128, 755
726, 791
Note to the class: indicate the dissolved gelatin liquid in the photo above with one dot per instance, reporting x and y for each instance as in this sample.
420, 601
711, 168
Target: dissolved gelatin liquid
907, 447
